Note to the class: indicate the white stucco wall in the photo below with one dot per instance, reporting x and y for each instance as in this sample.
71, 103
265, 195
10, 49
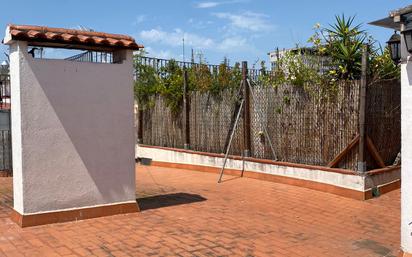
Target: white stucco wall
16, 55
349, 181
73, 136
406, 117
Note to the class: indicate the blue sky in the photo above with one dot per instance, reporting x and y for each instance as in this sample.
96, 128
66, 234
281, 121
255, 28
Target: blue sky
236, 29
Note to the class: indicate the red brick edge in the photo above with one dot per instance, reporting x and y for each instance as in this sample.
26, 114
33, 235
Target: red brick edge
318, 186
72, 215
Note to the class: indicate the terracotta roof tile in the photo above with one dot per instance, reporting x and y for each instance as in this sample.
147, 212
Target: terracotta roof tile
38, 35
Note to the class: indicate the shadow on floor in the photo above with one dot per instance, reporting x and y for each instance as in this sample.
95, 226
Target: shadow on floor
160, 201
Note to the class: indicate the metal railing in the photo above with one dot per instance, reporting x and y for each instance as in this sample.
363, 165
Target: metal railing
4, 92
158, 64
90, 56
5, 128
5, 151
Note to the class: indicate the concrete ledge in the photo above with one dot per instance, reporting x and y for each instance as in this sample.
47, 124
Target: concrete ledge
403, 254
346, 183
37, 219
238, 158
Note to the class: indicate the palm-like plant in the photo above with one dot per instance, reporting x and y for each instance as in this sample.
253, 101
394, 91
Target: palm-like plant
344, 42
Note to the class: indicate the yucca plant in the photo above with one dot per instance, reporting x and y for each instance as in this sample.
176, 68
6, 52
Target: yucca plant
344, 44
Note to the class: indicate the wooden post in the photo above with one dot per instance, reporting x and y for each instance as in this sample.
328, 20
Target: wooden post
362, 110
186, 124
246, 113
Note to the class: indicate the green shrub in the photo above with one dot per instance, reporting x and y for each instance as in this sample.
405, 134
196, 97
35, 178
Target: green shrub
171, 86
146, 84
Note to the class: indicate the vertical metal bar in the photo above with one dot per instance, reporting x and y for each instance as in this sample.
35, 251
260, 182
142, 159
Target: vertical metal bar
10, 154
186, 110
3, 154
362, 110
9, 168
246, 117
2, 94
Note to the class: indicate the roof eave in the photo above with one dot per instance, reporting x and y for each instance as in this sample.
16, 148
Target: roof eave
68, 38
387, 23
395, 18
401, 11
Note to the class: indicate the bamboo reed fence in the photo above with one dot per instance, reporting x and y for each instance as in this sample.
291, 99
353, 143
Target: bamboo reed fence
304, 127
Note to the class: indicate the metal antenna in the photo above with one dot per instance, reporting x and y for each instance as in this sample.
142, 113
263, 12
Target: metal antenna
184, 59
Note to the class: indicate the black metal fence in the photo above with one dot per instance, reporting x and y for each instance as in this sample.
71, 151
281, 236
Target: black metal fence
5, 125
4, 91
91, 56
159, 64
5, 151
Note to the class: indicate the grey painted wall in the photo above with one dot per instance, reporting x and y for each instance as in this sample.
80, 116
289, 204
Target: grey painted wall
73, 141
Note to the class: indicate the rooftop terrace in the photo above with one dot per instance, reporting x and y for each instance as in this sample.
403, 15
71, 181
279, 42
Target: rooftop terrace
185, 213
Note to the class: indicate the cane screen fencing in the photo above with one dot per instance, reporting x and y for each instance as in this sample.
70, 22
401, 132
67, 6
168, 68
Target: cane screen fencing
211, 121
304, 126
161, 127
383, 118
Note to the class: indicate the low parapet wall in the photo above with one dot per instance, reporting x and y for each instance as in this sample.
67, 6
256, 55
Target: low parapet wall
341, 182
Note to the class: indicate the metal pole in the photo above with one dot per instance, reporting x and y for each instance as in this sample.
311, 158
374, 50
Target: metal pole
362, 110
246, 117
230, 141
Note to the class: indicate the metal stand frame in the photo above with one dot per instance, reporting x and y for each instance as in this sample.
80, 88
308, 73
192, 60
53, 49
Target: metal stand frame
234, 130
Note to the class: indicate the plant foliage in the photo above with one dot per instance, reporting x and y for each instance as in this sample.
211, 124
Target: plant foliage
168, 81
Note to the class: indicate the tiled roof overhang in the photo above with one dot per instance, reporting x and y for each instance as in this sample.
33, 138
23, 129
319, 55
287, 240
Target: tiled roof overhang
69, 38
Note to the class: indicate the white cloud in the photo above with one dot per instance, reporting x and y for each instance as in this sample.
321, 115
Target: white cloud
233, 44
207, 4
256, 22
198, 24
171, 43
175, 38
140, 19
162, 54
204, 5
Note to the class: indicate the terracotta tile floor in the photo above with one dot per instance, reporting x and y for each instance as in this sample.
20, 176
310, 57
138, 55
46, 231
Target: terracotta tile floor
186, 213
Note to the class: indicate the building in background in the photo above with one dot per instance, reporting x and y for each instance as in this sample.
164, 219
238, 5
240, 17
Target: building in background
4, 68
310, 56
